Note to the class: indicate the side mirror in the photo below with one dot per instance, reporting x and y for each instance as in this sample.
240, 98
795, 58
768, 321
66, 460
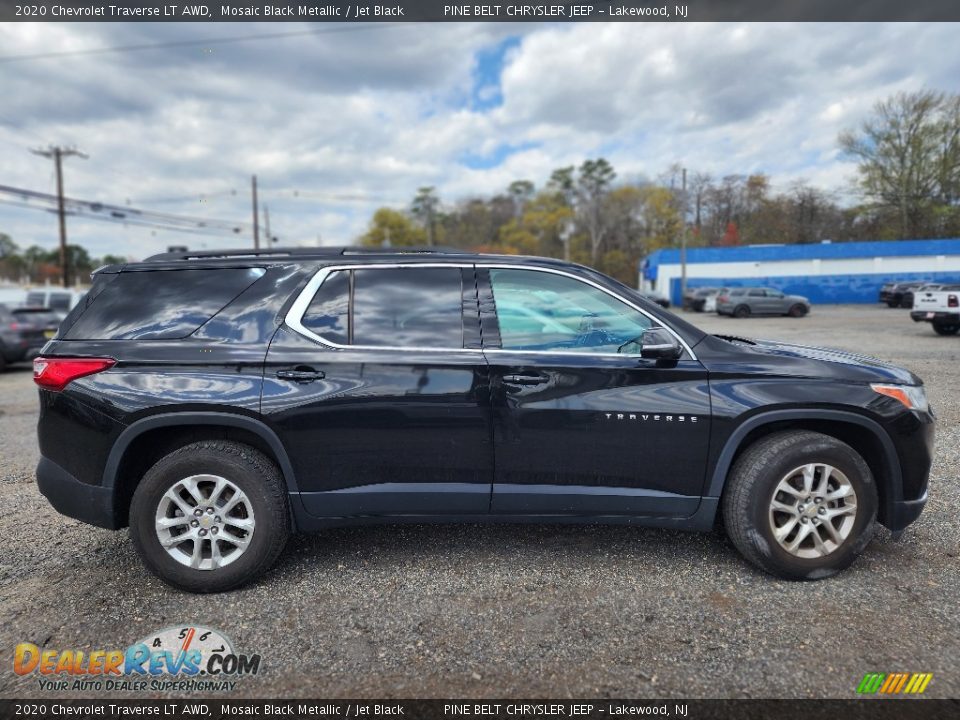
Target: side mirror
658, 344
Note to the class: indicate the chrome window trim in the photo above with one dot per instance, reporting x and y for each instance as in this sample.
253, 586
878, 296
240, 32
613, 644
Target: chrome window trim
556, 271
295, 314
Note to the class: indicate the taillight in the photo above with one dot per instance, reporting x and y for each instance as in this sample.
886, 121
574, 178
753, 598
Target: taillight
55, 373
722, 298
14, 326
952, 301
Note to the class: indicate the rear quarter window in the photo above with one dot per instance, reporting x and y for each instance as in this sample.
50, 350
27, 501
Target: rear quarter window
159, 304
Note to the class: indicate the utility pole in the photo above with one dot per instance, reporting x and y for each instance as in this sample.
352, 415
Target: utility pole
683, 242
58, 153
256, 214
266, 224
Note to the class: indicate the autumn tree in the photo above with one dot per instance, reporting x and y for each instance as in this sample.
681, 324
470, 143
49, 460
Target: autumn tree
390, 228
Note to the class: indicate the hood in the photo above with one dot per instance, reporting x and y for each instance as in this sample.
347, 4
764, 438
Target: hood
778, 358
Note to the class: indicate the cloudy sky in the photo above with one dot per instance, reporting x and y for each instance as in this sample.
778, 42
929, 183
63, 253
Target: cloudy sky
338, 120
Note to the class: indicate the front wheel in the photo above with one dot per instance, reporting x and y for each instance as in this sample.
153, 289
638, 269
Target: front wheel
210, 516
797, 311
946, 329
800, 505
741, 311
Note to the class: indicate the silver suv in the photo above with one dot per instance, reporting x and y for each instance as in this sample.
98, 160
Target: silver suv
747, 301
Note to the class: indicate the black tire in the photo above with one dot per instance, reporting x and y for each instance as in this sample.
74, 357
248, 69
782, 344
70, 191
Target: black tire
893, 302
797, 311
248, 469
751, 488
741, 311
946, 329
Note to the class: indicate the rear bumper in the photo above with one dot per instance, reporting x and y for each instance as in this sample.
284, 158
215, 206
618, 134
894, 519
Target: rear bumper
939, 317
88, 503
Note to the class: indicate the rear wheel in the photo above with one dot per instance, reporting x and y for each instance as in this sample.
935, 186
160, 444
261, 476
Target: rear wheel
893, 303
210, 516
741, 311
800, 505
943, 329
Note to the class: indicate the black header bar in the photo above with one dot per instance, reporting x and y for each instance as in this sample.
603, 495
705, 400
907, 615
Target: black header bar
503, 11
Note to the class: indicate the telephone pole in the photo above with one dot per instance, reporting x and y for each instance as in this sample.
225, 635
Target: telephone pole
256, 214
683, 243
58, 153
266, 225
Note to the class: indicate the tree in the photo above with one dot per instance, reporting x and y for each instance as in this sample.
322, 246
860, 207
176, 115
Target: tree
390, 228
520, 191
424, 208
908, 154
593, 184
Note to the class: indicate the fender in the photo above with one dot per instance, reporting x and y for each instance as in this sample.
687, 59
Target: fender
894, 488
255, 426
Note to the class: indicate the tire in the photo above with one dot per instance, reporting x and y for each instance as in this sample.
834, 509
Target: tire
893, 302
260, 504
946, 329
741, 311
797, 311
753, 486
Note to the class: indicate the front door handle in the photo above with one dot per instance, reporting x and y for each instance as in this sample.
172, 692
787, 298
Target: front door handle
524, 379
301, 374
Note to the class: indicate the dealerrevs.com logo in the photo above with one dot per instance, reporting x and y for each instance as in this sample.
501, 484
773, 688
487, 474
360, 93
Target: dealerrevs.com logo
182, 658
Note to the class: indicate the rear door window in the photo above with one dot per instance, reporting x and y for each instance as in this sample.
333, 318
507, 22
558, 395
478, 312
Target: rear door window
160, 304
406, 307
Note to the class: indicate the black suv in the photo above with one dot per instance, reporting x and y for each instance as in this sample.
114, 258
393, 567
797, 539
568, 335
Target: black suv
216, 402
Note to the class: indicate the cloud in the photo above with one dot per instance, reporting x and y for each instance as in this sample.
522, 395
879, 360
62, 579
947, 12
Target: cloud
343, 119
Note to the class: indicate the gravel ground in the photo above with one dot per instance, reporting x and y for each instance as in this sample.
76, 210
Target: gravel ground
501, 611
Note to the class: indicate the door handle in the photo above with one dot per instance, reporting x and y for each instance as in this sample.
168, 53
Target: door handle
301, 375
524, 379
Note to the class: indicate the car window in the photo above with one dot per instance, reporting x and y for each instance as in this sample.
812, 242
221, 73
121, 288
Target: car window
327, 315
60, 301
757, 292
546, 311
36, 298
738, 291
408, 307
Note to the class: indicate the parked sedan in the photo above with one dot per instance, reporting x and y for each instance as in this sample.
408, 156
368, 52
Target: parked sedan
19, 340
744, 302
46, 319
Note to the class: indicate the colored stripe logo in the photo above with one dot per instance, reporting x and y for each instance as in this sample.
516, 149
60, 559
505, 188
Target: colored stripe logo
894, 683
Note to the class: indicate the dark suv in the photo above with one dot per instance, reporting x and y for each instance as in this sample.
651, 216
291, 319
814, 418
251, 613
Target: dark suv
216, 402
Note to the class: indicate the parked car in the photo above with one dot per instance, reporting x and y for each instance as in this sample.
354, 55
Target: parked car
705, 299
59, 299
19, 339
658, 299
892, 293
693, 297
907, 299
940, 308
746, 301
215, 402
42, 318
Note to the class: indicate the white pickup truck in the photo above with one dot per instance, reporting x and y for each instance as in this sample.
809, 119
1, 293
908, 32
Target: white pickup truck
940, 308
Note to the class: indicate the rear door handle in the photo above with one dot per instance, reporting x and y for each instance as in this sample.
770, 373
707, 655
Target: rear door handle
524, 379
301, 375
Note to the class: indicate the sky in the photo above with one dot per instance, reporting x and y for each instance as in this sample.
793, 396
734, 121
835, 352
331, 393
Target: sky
337, 120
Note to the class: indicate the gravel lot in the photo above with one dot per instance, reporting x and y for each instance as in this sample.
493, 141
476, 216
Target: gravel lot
502, 611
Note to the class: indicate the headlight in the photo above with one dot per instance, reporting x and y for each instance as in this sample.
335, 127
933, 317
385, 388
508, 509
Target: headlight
913, 397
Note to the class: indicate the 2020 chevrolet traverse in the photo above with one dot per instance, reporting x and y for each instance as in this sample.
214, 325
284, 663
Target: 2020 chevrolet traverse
216, 402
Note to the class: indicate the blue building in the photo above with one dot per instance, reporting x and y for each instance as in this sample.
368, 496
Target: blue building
828, 272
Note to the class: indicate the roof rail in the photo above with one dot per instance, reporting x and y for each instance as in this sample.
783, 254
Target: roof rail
296, 252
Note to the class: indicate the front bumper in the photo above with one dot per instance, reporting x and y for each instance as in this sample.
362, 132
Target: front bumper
939, 317
89, 503
905, 512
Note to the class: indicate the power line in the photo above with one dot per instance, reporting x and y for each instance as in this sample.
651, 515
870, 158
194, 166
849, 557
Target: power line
196, 43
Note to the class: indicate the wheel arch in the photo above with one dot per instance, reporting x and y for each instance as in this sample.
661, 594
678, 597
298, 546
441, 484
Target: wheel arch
865, 435
144, 442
